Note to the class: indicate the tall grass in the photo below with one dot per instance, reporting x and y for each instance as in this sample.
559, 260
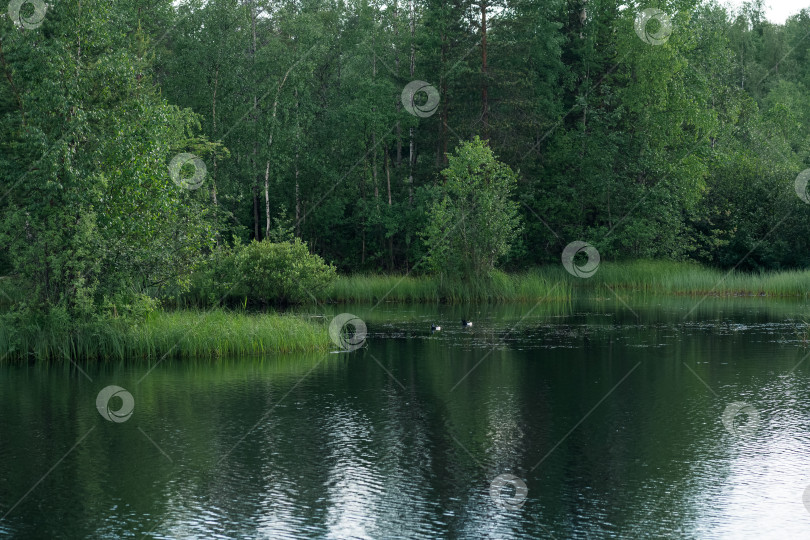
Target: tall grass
183, 334
553, 283
683, 278
221, 333
528, 286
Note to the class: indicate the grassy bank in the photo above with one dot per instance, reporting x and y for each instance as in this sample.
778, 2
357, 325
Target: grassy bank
221, 333
553, 283
520, 287
183, 334
663, 277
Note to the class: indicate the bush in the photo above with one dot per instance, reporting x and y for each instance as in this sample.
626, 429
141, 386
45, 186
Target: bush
215, 281
262, 272
282, 273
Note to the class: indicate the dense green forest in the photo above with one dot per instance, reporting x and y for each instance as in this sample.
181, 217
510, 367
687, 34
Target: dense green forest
676, 133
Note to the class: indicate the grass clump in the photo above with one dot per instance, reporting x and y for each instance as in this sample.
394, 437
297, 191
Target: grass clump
180, 334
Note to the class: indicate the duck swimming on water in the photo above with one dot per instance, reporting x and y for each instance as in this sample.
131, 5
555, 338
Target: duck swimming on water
434, 328
465, 322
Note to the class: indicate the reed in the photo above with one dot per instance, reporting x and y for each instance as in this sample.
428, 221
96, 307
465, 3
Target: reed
189, 333
553, 283
684, 278
533, 286
180, 334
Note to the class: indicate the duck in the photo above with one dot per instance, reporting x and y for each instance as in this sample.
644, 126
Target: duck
465, 322
435, 328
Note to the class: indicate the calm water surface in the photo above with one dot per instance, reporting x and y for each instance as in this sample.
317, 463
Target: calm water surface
610, 414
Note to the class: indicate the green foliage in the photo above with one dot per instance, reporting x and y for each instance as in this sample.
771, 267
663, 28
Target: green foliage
281, 273
180, 334
89, 211
685, 150
283, 228
689, 278
618, 141
473, 221
538, 285
277, 273
551, 283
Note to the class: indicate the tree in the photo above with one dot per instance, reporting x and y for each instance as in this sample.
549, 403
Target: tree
90, 213
473, 221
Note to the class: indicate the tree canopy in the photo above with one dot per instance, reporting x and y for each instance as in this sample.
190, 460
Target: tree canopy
663, 130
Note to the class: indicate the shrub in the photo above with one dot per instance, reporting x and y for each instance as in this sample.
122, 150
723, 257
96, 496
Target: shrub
216, 280
260, 272
280, 273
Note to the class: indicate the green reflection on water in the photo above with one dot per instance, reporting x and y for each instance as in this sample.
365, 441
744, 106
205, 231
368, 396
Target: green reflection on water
610, 413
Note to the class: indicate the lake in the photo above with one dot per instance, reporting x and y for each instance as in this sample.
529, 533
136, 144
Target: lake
606, 417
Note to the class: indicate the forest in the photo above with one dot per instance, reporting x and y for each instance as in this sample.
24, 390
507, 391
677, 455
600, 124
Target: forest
142, 139
404, 269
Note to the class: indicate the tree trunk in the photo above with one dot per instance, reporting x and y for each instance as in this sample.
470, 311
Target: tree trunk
443, 89
254, 120
256, 213
374, 176
484, 97
297, 201
398, 101
374, 131
374, 167
297, 150
412, 149
267, 200
388, 182
213, 136
363, 218
583, 16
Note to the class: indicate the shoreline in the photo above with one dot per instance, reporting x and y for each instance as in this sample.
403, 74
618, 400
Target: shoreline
196, 332
182, 334
553, 283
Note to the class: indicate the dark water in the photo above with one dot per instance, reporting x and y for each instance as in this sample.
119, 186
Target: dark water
612, 417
